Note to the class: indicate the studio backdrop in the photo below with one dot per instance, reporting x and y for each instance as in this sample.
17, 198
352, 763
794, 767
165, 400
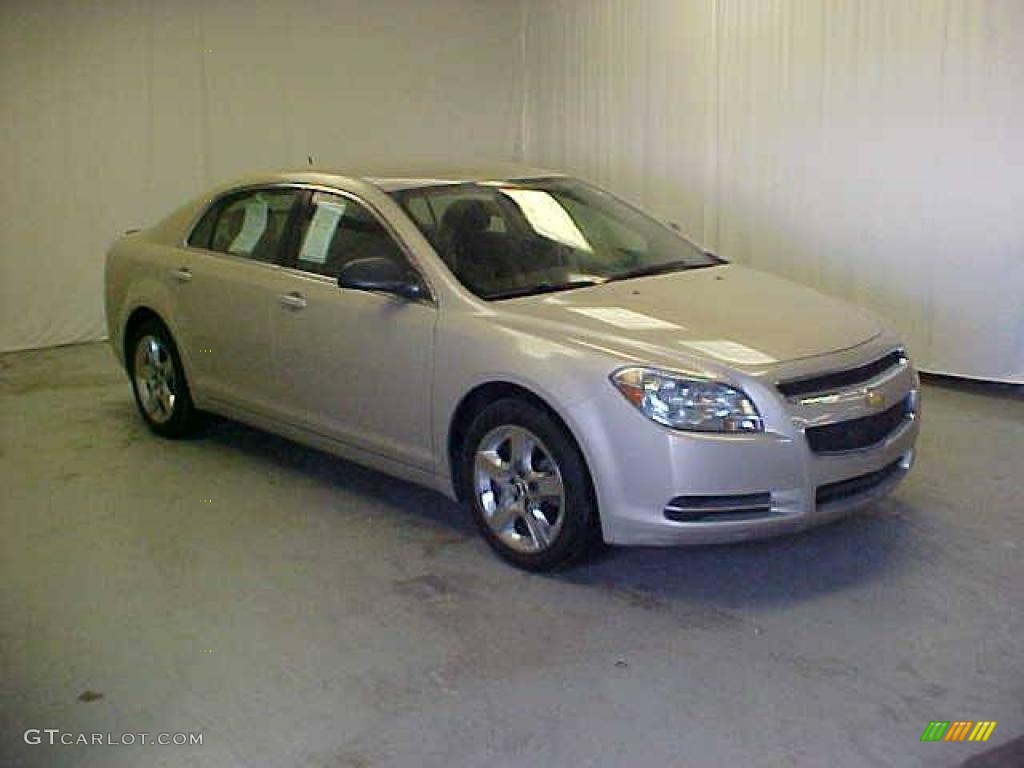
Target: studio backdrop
115, 112
869, 148
873, 149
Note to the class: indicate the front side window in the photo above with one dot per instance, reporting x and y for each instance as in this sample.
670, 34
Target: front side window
341, 230
506, 239
251, 224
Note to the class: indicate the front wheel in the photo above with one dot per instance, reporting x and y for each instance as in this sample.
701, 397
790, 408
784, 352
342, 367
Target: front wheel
528, 486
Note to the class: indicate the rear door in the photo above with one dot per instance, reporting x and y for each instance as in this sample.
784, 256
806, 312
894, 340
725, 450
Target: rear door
228, 291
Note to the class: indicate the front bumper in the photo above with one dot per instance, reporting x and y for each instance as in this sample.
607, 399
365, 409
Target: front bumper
651, 481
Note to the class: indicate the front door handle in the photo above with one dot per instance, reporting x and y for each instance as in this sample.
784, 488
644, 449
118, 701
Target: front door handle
293, 300
182, 274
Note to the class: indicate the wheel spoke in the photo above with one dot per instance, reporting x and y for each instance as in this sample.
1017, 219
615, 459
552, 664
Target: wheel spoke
521, 445
166, 367
158, 400
504, 515
148, 397
166, 399
153, 353
490, 463
540, 529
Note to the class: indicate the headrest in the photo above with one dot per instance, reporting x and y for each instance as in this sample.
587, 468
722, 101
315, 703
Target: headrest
466, 216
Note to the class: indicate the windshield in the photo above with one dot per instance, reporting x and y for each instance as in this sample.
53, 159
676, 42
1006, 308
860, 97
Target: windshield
507, 239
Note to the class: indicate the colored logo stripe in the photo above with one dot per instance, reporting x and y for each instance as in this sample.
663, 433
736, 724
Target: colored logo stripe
935, 730
958, 730
983, 730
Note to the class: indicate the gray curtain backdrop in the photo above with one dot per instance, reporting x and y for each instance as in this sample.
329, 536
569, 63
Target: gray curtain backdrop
873, 149
115, 112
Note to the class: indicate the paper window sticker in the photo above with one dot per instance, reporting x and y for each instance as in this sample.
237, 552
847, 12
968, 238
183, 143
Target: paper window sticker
548, 218
320, 233
253, 226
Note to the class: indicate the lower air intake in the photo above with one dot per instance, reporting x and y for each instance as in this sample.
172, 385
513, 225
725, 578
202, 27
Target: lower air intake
856, 486
713, 509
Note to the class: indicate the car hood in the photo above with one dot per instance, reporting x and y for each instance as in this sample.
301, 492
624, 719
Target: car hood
730, 314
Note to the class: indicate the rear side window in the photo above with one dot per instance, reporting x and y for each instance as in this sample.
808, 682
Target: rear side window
251, 224
200, 237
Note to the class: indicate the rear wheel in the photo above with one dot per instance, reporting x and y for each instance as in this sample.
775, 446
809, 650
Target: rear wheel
528, 486
158, 381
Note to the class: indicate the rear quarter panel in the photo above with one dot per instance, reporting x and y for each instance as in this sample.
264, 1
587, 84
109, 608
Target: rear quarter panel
136, 276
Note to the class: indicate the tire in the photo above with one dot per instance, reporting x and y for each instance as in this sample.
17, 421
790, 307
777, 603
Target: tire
158, 383
528, 487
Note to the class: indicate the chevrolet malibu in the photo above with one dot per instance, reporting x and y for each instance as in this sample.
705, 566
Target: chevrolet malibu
567, 366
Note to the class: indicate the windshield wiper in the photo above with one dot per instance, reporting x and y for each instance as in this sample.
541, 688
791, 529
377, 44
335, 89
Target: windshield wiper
653, 269
532, 290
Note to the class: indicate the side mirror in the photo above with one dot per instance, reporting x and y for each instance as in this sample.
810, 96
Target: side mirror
382, 275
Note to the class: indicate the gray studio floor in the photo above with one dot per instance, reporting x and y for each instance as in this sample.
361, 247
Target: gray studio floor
300, 611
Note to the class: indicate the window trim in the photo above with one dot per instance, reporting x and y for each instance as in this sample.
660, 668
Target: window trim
304, 206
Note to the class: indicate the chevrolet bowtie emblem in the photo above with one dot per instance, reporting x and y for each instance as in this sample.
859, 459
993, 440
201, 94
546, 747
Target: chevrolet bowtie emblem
874, 398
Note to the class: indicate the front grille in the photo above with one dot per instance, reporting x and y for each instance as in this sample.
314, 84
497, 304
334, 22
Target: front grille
857, 433
691, 509
855, 486
828, 382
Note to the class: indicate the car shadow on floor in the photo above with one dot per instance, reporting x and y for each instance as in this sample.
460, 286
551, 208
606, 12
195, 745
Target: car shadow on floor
781, 570
354, 479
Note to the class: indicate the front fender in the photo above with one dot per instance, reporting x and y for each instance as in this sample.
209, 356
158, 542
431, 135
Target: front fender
471, 352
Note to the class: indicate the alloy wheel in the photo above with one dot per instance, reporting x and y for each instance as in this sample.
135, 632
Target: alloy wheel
154, 378
519, 488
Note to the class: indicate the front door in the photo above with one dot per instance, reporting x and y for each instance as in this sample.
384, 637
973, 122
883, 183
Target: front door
354, 366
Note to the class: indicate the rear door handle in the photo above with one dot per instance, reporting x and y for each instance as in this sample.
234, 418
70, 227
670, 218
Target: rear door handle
293, 300
182, 274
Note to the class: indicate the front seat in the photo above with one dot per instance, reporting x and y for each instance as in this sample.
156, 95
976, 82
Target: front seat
476, 255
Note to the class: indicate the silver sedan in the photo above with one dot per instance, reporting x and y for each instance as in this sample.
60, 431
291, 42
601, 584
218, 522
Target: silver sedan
570, 368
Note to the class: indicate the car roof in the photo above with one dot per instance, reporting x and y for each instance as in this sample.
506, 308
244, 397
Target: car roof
408, 176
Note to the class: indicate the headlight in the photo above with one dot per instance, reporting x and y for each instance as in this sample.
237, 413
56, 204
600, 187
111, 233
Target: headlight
691, 404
